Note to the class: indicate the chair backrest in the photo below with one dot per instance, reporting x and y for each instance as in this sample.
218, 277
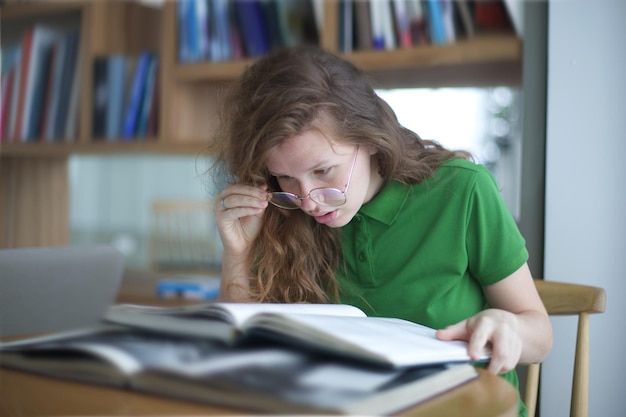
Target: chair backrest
562, 298
184, 237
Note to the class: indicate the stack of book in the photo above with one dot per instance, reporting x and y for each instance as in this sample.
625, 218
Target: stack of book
125, 97
393, 24
221, 30
40, 87
280, 358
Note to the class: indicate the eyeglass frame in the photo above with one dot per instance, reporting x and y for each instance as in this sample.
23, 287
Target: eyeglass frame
300, 199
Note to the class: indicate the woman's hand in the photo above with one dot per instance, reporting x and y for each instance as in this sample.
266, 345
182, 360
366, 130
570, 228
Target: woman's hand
517, 328
238, 212
496, 329
239, 215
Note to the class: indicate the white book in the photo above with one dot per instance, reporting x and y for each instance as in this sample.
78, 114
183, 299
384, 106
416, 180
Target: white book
332, 328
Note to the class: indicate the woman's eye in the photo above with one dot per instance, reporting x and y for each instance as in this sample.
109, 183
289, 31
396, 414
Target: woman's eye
321, 172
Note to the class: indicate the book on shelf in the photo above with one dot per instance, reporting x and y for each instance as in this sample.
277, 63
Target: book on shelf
35, 73
253, 27
10, 68
219, 45
136, 95
465, 18
436, 24
402, 24
222, 30
331, 328
417, 22
15, 93
346, 26
100, 97
17, 123
116, 77
262, 378
66, 109
382, 25
148, 98
363, 26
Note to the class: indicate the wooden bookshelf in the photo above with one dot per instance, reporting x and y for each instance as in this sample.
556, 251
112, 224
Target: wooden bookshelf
189, 95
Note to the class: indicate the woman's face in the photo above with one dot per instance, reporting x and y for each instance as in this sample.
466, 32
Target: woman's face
308, 161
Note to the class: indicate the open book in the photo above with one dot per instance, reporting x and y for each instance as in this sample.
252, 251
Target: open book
336, 328
261, 378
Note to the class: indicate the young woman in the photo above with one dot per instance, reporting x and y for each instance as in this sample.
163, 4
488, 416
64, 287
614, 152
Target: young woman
332, 200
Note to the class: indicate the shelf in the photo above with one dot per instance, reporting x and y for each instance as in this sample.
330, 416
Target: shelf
45, 150
23, 9
480, 50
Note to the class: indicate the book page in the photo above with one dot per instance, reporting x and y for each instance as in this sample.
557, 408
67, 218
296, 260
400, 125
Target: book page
241, 312
237, 313
385, 340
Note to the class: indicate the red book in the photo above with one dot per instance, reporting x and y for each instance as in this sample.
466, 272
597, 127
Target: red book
7, 89
27, 42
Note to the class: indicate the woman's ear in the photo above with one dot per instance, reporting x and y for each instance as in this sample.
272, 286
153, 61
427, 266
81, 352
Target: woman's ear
371, 150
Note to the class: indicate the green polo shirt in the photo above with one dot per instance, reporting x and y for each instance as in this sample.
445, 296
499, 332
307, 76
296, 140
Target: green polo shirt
423, 252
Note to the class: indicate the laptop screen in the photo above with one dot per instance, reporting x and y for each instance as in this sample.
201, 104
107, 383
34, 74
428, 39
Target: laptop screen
57, 288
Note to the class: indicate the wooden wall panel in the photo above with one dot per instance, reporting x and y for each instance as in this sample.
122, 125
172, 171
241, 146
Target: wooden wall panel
34, 202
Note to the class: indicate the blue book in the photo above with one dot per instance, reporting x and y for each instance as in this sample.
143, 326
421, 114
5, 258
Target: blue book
184, 53
147, 101
437, 27
138, 87
193, 31
220, 37
252, 25
116, 76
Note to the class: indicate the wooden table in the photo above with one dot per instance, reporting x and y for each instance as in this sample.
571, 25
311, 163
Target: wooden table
23, 394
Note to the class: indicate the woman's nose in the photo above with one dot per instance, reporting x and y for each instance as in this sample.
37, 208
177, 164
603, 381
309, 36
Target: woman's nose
308, 204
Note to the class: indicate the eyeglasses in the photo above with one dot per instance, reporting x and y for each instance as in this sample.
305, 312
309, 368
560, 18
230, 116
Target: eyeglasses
326, 196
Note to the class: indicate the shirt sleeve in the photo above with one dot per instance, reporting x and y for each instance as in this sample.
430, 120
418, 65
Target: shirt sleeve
495, 245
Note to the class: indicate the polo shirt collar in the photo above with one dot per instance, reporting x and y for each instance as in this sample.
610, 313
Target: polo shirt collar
388, 203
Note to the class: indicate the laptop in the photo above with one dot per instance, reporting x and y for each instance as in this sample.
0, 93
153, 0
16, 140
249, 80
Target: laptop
57, 288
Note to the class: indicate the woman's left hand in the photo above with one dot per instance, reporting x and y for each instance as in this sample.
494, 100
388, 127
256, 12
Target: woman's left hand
492, 328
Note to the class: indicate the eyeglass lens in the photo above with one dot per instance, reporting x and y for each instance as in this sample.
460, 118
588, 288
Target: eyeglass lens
327, 196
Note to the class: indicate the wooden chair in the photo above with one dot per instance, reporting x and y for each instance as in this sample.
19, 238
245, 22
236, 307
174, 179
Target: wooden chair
568, 299
184, 237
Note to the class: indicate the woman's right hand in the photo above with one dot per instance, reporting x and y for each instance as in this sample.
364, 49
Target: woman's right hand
239, 214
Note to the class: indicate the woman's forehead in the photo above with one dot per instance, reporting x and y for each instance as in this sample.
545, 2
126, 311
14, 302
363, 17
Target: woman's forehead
306, 151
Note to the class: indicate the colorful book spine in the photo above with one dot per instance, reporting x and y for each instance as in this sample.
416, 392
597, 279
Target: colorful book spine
138, 86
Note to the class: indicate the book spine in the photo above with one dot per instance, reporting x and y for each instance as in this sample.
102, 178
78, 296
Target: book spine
68, 74
403, 29
7, 89
56, 73
13, 112
437, 29
27, 42
100, 97
378, 30
147, 101
363, 25
221, 47
10, 67
252, 26
346, 26
116, 69
136, 95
